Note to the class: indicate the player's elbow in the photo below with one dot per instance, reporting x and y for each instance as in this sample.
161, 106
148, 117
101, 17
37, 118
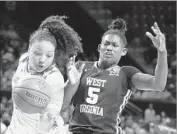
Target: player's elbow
159, 87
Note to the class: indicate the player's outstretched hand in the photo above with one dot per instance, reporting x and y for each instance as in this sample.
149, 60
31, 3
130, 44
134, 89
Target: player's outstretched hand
159, 40
73, 73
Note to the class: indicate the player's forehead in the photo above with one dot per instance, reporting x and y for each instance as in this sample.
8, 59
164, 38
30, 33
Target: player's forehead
112, 38
44, 46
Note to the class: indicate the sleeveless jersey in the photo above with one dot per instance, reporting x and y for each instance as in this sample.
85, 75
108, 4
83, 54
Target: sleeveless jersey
23, 123
101, 97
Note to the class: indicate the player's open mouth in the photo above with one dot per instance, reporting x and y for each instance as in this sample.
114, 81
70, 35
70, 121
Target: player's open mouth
108, 54
40, 66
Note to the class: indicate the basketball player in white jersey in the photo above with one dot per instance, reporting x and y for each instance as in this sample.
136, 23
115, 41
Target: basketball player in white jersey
39, 60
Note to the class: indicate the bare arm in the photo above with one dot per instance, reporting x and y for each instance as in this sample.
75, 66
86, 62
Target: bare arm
72, 83
70, 90
56, 82
158, 81
51, 113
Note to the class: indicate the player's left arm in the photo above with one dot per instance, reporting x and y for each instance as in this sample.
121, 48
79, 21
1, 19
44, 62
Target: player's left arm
56, 82
51, 114
74, 72
158, 81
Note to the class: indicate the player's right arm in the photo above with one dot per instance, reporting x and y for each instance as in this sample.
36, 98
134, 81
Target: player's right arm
20, 69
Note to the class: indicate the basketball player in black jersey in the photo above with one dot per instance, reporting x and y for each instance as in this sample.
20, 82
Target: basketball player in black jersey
100, 91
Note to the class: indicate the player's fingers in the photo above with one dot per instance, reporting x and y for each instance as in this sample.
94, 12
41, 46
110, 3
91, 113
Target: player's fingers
81, 68
148, 34
50, 116
44, 116
154, 30
156, 26
70, 63
72, 60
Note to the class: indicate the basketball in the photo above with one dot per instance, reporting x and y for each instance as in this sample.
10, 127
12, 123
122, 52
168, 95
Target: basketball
31, 94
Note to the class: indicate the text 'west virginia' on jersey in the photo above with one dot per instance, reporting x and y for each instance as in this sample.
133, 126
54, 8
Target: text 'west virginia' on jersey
101, 97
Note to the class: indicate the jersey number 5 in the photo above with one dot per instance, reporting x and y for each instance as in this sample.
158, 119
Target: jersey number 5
93, 97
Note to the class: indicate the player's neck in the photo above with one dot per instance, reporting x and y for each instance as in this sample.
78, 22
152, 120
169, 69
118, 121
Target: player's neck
31, 71
104, 65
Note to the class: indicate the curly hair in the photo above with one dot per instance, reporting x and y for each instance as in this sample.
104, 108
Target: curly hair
117, 27
42, 34
68, 41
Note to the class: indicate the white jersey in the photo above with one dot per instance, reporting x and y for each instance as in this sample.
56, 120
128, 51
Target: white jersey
23, 123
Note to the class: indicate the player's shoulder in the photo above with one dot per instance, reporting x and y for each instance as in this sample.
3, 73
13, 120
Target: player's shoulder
53, 75
23, 57
53, 71
88, 64
85, 62
22, 64
130, 70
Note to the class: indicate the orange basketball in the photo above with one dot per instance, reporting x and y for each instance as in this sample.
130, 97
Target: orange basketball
31, 94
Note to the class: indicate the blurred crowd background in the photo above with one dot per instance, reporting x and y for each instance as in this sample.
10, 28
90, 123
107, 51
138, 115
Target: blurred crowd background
90, 20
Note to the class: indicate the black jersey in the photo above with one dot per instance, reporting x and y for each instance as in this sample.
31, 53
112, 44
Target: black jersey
101, 97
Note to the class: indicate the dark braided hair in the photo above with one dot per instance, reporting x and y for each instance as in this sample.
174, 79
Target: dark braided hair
117, 27
68, 41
